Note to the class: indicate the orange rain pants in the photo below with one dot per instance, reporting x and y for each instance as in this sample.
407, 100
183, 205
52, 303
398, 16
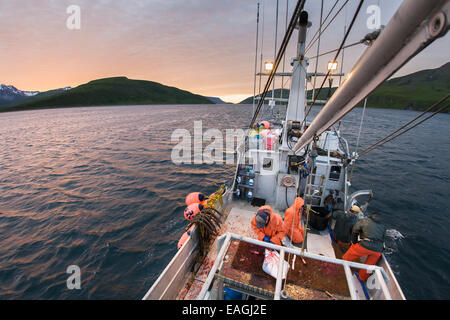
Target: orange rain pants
292, 225
357, 251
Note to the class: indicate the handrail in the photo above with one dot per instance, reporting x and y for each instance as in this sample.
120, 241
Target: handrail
224, 242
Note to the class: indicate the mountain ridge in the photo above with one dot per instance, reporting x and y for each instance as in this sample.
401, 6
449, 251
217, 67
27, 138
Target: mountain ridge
415, 91
112, 91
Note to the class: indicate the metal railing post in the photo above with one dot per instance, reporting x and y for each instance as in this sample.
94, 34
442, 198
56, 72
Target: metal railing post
217, 263
351, 286
279, 276
383, 285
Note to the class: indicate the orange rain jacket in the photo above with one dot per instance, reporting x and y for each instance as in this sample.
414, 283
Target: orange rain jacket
274, 229
292, 217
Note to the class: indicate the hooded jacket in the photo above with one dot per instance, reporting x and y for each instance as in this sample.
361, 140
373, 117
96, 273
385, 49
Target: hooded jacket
292, 218
371, 232
345, 222
274, 228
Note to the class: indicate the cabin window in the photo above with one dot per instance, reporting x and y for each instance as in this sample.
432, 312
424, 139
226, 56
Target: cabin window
335, 173
267, 164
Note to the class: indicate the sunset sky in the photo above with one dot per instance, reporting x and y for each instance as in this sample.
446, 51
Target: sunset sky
203, 46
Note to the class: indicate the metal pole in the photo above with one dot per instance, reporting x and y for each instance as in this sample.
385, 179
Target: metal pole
275, 50
229, 236
351, 286
384, 288
279, 276
284, 62
211, 275
318, 48
262, 49
309, 255
256, 58
342, 60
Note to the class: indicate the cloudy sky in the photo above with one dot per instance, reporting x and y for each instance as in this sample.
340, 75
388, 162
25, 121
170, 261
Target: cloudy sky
204, 46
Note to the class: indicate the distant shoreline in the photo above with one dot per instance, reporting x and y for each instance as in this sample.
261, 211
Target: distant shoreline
13, 109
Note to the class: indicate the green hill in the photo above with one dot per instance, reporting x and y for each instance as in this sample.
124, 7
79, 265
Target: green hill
111, 92
415, 91
277, 94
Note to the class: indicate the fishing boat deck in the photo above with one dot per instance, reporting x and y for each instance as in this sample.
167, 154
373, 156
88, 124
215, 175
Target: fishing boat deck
237, 222
243, 262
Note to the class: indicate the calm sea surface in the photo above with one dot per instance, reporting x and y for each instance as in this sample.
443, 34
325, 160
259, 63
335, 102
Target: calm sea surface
96, 187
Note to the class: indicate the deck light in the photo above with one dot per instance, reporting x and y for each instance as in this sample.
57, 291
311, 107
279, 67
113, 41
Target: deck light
332, 65
268, 66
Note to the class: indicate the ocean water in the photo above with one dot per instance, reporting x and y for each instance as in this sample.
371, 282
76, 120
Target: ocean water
96, 187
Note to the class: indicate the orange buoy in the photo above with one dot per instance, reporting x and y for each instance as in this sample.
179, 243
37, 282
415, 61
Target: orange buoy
191, 211
265, 124
195, 197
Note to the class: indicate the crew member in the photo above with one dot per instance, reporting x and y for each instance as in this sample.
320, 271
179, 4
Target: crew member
268, 225
292, 217
342, 231
368, 236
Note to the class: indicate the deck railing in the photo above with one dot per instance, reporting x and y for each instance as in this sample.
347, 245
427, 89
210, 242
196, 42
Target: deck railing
224, 242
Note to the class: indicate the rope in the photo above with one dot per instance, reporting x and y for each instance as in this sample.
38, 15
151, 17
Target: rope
337, 55
287, 36
384, 141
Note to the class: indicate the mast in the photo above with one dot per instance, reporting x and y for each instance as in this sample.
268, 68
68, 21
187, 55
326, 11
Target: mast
275, 51
256, 57
295, 109
396, 45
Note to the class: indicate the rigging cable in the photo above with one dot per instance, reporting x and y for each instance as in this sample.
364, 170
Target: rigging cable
275, 50
394, 134
256, 58
317, 32
284, 63
287, 36
326, 27
337, 55
357, 140
343, 54
331, 51
262, 49
318, 50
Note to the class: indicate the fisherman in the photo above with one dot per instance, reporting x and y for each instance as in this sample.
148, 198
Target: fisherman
268, 225
342, 231
368, 240
292, 217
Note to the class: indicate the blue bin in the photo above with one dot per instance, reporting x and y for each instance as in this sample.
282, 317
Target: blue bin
232, 294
